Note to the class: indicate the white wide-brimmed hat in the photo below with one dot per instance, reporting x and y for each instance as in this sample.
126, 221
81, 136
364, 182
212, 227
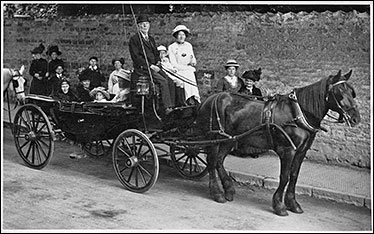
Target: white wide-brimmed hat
100, 89
231, 63
161, 48
181, 28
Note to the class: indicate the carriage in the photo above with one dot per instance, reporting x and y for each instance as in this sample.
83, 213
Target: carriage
197, 138
134, 134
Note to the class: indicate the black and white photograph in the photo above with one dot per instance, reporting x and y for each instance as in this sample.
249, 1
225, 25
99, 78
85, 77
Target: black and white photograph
187, 116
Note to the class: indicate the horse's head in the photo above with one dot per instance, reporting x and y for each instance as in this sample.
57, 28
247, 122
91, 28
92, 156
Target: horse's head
340, 98
19, 83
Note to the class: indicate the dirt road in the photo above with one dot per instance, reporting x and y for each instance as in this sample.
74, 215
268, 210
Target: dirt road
85, 194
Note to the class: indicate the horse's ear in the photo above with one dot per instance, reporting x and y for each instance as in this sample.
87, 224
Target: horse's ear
336, 77
348, 75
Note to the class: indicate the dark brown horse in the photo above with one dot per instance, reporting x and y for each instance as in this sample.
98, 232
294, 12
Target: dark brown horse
286, 124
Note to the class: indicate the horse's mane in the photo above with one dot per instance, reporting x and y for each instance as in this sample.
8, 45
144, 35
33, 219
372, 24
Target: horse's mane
311, 98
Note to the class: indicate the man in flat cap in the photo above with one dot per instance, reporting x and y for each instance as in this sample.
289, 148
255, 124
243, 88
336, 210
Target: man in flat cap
136, 44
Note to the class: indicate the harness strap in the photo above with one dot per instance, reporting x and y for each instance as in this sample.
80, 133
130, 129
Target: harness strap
300, 117
214, 107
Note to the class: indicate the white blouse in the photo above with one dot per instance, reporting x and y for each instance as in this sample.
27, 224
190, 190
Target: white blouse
181, 55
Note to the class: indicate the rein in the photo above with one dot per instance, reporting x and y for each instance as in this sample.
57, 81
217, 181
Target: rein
344, 113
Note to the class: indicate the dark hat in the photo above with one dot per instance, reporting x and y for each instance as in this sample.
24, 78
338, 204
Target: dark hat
253, 75
38, 50
57, 65
53, 49
231, 63
121, 60
142, 18
94, 57
84, 76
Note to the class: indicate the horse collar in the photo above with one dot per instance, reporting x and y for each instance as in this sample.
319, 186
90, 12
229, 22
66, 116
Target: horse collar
300, 117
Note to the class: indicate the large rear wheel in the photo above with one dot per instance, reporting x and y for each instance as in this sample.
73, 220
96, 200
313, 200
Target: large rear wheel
33, 136
135, 161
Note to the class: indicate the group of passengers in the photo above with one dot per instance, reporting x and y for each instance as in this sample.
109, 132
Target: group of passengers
172, 69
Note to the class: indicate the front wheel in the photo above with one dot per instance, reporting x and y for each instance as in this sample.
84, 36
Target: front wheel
190, 161
135, 161
33, 136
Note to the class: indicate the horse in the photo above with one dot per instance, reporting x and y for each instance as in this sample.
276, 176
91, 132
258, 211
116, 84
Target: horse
286, 124
18, 82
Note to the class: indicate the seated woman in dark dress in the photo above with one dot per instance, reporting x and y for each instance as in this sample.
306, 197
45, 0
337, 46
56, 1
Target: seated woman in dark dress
65, 93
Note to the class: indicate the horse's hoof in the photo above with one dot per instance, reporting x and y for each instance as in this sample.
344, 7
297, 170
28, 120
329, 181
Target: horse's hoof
219, 198
296, 209
281, 212
229, 196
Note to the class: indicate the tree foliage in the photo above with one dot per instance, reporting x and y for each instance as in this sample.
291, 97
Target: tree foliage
54, 10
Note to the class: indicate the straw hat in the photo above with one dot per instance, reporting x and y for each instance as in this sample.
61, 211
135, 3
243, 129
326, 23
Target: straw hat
180, 28
100, 89
231, 63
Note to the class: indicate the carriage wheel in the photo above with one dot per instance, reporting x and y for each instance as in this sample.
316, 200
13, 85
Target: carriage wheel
97, 147
33, 136
135, 161
191, 162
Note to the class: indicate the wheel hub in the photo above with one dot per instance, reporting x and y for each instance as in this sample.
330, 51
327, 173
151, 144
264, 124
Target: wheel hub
31, 136
131, 162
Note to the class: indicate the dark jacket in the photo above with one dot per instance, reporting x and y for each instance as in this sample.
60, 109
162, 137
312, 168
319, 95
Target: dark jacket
224, 86
68, 97
53, 84
37, 86
137, 54
255, 91
95, 76
83, 94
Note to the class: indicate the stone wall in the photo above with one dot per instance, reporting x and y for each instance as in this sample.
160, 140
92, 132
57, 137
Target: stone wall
293, 50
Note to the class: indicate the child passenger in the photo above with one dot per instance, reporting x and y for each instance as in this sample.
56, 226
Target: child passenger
100, 94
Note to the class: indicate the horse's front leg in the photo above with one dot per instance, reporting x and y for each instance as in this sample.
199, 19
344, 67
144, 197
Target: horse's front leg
214, 189
227, 183
290, 199
286, 157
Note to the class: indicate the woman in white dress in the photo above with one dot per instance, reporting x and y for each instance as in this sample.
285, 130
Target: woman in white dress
182, 57
113, 77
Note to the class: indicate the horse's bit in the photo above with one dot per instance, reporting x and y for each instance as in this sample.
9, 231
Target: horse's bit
343, 112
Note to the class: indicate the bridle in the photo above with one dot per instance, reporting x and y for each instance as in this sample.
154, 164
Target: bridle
341, 111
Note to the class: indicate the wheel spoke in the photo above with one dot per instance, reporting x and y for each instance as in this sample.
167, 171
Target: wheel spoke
24, 144
41, 149
141, 175
28, 151
145, 170
184, 155
123, 151
202, 160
